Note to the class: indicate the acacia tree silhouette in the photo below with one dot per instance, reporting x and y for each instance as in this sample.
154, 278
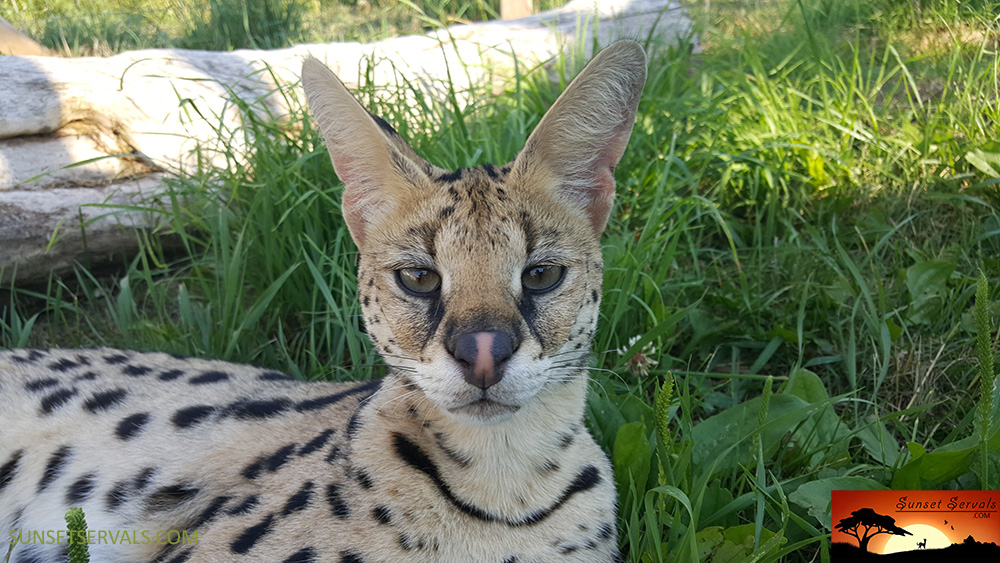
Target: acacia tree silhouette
873, 524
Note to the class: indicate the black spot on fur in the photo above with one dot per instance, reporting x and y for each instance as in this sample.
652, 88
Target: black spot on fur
511, 559
382, 515
87, 376
40, 384
136, 371
246, 409
171, 375
9, 470
115, 359
209, 377
252, 535
365, 480
131, 425
144, 478
167, 498
279, 458
300, 500
491, 171
116, 496
567, 549
353, 423
274, 376
210, 512
105, 400
81, 489
350, 557
316, 443
63, 364
335, 454
336, 500
269, 463
304, 555
593, 296
57, 399
244, 507
405, 542
190, 416
323, 402
446, 212
452, 176
606, 531
53, 467
32, 357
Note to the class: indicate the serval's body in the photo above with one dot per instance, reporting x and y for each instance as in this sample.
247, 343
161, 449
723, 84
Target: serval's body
481, 289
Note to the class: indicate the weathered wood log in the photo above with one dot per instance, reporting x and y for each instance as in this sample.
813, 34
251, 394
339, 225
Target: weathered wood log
88, 131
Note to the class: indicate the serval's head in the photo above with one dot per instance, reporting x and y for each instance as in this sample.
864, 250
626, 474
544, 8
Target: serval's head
483, 285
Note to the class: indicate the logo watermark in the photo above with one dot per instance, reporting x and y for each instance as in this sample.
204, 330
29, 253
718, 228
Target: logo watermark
103, 537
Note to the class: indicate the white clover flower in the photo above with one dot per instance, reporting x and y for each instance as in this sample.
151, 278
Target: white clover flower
641, 361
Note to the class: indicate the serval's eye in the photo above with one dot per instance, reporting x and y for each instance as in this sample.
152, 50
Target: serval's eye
542, 278
418, 281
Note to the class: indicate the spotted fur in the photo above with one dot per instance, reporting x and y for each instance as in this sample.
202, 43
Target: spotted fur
472, 449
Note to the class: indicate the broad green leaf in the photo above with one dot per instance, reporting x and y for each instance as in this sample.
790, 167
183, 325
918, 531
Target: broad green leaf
724, 440
715, 499
927, 282
631, 458
814, 496
824, 433
730, 545
806, 385
879, 442
709, 540
929, 276
948, 462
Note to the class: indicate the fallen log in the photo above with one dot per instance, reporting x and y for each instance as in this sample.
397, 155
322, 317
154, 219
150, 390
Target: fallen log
77, 134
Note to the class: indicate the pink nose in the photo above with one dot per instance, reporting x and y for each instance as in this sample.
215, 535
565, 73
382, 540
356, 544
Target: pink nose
481, 355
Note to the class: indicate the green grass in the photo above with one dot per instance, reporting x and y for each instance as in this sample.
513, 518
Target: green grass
802, 218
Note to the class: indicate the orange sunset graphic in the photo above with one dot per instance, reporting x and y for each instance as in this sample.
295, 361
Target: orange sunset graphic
917, 525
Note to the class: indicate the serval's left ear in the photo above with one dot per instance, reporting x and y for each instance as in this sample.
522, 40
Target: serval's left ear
579, 141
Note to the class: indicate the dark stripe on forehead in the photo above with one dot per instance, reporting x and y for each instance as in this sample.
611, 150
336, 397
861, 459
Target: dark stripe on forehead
427, 233
530, 233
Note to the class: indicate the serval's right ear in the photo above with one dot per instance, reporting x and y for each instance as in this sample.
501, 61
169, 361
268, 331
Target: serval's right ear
377, 167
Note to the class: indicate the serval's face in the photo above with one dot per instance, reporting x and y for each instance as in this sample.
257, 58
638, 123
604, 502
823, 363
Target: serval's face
482, 286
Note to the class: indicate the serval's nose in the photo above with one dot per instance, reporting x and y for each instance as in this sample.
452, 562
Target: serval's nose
481, 355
